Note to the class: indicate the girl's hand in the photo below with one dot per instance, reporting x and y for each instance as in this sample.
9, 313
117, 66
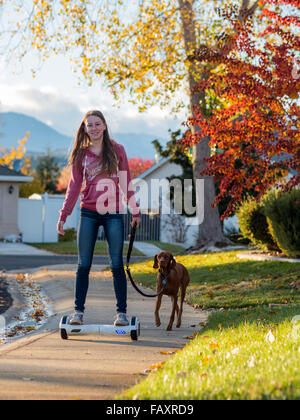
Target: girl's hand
137, 220
59, 228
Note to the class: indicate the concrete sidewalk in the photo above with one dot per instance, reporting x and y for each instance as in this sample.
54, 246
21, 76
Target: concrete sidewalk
18, 248
149, 250
43, 366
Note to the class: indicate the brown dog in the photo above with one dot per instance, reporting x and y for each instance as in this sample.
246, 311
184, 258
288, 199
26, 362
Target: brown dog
178, 279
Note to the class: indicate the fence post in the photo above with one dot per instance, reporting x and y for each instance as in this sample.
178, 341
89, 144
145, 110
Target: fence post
45, 203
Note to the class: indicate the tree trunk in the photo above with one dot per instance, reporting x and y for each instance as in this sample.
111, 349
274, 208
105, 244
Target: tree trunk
210, 230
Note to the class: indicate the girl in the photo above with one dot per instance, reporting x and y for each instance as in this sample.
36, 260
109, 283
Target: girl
101, 162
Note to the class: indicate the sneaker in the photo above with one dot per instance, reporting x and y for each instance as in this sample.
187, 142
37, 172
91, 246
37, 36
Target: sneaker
121, 320
76, 318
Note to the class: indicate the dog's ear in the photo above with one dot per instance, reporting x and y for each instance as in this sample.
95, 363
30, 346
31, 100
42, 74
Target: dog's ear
155, 265
172, 261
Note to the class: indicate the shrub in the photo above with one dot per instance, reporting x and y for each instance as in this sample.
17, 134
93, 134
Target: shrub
254, 225
283, 213
235, 236
69, 236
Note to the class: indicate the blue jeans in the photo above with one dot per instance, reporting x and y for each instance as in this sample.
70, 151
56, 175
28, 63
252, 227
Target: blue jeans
113, 225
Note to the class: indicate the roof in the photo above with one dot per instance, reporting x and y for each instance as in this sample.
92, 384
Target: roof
151, 169
10, 175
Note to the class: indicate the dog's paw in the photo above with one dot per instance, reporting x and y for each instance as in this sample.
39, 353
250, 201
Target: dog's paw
178, 325
169, 328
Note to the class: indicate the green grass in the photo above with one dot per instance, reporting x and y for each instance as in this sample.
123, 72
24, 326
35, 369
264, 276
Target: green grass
101, 248
231, 358
174, 249
221, 280
70, 248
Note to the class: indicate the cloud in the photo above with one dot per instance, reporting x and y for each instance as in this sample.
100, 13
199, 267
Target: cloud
45, 104
64, 111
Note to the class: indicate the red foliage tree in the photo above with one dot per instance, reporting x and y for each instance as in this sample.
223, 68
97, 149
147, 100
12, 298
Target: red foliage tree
138, 165
255, 129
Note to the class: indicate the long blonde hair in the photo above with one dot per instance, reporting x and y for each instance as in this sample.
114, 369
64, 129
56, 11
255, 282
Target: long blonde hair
82, 142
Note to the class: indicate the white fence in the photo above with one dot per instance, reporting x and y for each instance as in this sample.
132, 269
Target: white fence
38, 216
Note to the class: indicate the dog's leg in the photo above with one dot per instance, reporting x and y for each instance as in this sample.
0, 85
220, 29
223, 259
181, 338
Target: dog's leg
174, 304
177, 310
182, 296
157, 307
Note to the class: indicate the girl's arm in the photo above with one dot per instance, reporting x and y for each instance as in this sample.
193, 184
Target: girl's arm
72, 194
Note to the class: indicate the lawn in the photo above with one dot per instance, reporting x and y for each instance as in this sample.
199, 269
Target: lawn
222, 280
101, 248
248, 349
70, 248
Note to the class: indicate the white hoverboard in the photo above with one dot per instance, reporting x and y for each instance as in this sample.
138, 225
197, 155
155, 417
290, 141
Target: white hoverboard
66, 329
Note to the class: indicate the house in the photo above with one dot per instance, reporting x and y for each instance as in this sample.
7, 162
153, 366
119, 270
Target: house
151, 190
174, 228
9, 195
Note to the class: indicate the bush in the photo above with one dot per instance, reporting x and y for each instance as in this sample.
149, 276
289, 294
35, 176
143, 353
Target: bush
283, 213
69, 236
254, 225
235, 236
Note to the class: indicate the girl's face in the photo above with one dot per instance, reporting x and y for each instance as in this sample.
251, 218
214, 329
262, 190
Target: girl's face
94, 127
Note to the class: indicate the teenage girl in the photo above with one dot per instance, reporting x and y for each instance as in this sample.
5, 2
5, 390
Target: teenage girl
102, 163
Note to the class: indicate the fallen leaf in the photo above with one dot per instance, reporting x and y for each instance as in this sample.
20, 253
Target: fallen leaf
159, 365
213, 345
270, 337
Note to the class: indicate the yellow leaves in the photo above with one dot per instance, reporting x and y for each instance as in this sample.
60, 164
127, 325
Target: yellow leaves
18, 153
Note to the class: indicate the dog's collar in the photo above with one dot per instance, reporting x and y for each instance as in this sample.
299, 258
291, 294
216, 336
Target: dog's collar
164, 278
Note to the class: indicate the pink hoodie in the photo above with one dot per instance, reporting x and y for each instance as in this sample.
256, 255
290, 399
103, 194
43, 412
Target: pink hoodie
102, 192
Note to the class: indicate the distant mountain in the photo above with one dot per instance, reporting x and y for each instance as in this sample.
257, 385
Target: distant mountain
13, 126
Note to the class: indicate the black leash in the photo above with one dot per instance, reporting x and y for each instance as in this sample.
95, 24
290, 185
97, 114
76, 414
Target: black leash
165, 278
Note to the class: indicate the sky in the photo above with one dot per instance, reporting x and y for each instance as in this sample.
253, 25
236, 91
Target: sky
55, 98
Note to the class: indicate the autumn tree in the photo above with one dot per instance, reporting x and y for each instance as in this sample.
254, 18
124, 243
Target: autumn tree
255, 130
138, 166
17, 154
47, 171
141, 48
63, 180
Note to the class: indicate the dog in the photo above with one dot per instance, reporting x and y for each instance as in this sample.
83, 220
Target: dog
178, 278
